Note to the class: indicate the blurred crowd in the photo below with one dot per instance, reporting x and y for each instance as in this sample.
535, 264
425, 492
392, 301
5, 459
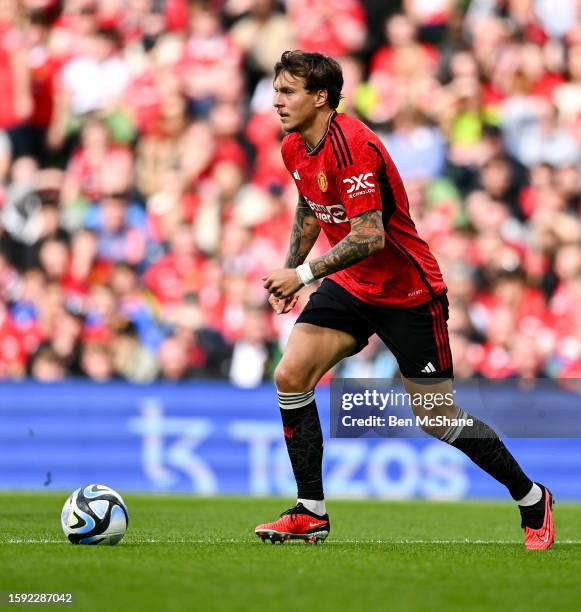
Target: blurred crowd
143, 196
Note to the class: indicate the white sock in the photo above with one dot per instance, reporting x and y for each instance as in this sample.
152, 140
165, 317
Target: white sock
316, 506
532, 497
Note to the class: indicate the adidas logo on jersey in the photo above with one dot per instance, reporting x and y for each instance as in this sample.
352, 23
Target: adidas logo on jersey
429, 368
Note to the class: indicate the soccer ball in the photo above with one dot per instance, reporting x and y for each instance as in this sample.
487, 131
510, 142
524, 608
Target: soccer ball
94, 514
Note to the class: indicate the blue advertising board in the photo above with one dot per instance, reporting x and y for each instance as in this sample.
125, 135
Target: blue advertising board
211, 438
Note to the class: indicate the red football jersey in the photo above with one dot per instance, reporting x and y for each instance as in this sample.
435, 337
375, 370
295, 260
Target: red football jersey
349, 173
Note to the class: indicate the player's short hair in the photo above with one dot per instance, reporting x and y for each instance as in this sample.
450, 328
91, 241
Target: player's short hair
318, 71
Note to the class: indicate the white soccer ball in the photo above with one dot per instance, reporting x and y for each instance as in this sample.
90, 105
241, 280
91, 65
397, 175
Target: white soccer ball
94, 514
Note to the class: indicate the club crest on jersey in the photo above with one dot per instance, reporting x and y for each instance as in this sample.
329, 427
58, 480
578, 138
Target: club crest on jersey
322, 180
359, 185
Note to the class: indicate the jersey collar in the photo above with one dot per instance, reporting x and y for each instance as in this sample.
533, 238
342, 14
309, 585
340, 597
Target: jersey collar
321, 142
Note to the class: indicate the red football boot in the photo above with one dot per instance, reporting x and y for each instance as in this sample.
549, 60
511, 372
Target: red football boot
297, 523
543, 537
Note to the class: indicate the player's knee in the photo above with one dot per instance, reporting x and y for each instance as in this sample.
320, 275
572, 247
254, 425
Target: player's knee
290, 378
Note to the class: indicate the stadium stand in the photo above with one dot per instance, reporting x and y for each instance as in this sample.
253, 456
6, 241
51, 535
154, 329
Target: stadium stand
143, 196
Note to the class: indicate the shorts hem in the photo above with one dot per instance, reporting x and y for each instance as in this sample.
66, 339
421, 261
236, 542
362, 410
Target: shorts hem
361, 343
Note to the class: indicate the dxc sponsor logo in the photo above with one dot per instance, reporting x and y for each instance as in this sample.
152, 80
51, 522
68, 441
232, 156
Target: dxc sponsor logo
359, 185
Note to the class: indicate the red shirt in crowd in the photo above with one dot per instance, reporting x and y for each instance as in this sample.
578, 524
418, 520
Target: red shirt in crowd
332, 27
10, 47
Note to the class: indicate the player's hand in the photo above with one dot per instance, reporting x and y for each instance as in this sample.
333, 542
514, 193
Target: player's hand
282, 306
282, 283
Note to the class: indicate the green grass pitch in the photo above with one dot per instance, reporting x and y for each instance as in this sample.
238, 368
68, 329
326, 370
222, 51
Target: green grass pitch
187, 553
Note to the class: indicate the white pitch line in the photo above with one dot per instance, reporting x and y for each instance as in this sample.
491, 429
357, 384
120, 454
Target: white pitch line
185, 541
450, 542
30, 541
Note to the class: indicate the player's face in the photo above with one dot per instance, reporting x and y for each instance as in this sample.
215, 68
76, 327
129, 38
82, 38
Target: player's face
296, 107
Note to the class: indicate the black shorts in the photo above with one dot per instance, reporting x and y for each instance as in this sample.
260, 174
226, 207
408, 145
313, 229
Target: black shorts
417, 336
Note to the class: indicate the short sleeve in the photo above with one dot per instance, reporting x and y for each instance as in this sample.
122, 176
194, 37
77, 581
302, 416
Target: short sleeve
357, 171
285, 151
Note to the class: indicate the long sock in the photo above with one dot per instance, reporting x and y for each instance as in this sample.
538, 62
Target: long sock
316, 506
534, 496
304, 441
487, 450
532, 507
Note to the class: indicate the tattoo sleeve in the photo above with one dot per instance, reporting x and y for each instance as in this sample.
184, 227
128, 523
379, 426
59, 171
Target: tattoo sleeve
304, 234
365, 238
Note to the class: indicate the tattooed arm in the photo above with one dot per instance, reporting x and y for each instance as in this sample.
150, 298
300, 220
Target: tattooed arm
304, 234
365, 238
283, 284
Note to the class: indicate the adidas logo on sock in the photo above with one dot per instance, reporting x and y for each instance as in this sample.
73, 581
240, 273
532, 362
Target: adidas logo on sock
429, 368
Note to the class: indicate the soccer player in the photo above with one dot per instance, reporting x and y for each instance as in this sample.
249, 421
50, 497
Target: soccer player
379, 277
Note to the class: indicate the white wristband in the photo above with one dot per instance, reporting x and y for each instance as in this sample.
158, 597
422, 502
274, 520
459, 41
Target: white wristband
305, 274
